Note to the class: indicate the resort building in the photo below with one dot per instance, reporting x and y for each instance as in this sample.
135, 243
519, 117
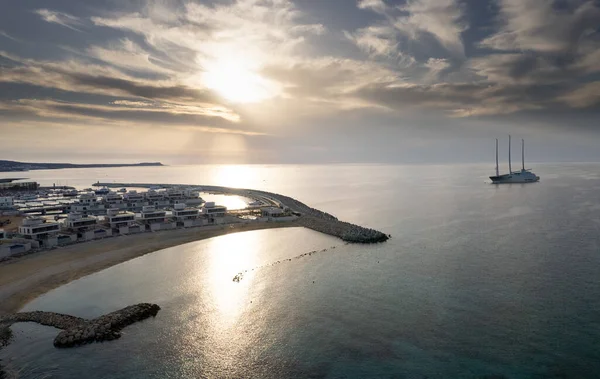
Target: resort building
86, 227
114, 200
192, 197
40, 229
175, 194
214, 213
134, 200
133, 196
77, 220
122, 222
88, 203
158, 199
186, 216
153, 196
155, 219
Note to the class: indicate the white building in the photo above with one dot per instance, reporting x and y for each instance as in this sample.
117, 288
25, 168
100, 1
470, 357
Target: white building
151, 215
187, 217
88, 203
134, 200
122, 222
192, 197
77, 221
114, 200
175, 194
40, 229
6, 201
214, 213
157, 198
133, 196
155, 219
153, 195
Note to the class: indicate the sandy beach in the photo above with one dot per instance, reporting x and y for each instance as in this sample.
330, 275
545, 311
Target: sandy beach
25, 278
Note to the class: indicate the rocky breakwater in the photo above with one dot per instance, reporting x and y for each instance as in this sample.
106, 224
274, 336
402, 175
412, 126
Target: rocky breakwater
344, 230
78, 331
325, 223
105, 328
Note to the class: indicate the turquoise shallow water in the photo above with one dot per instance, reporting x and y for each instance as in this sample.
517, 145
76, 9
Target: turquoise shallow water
478, 281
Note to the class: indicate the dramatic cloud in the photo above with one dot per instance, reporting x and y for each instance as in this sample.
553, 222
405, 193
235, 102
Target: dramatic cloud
544, 26
64, 19
287, 72
443, 20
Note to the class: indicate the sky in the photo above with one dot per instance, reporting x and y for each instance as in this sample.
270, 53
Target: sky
303, 81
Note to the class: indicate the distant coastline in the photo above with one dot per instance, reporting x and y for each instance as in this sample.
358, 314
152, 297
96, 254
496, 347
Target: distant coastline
11, 166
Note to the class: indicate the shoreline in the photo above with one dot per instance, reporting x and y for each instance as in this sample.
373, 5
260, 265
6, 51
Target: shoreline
28, 277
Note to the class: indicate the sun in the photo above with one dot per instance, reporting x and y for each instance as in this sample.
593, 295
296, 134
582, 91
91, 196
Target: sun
238, 83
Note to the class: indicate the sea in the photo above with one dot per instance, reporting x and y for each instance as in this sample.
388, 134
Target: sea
477, 281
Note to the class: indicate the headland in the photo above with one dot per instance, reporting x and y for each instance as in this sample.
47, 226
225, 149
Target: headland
8, 166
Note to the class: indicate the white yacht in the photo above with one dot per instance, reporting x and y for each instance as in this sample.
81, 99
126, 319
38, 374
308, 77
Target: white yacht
523, 176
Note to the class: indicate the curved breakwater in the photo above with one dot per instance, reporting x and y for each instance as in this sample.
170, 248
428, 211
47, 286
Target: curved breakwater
310, 218
78, 331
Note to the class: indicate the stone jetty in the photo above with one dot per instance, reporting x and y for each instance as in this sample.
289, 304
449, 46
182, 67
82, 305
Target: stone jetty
78, 331
310, 218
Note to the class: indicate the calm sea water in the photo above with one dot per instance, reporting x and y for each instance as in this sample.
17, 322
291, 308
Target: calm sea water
478, 281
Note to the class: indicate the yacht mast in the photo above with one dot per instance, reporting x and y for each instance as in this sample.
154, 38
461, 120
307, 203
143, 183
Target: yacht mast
523, 153
509, 164
497, 170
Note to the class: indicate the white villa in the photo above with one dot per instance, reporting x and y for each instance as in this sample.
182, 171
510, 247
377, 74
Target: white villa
77, 220
87, 227
88, 203
214, 213
114, 200
39, 229
187, 217
153, 195
155, 219
122, 222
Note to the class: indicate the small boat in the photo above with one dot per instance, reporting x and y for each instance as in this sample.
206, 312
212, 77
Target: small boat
122, 190
523, 176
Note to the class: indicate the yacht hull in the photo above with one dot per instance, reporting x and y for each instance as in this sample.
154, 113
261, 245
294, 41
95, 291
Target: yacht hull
515, 177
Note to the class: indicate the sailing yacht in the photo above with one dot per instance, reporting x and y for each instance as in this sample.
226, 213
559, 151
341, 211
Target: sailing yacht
523, 176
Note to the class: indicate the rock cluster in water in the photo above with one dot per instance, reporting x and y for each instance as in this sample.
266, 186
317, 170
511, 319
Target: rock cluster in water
78, 331
107, 327
240, 275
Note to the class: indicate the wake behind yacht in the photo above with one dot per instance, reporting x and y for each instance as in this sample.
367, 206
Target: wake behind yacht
523, 176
